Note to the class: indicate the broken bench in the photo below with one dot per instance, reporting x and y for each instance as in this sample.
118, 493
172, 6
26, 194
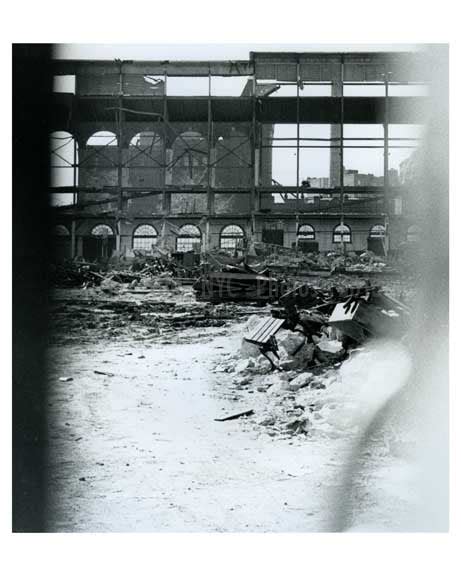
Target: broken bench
263, 336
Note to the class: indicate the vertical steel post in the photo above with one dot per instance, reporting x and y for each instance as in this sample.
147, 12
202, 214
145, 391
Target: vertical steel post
72, 240
297, 135
386, 160
210, 195
165, 196
255, 194
119, 160
297, 228
74, 175
341, 155
254, 199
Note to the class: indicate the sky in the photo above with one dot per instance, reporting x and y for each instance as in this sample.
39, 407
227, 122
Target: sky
313, 162
207, 51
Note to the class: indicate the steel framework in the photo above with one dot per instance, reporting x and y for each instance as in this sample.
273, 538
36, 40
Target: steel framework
126, 98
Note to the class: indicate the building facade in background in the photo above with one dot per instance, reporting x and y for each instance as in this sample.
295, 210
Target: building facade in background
133, 165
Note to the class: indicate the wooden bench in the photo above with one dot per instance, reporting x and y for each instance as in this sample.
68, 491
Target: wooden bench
263, 336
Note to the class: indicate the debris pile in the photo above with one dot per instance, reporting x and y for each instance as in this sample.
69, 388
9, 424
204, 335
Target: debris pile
236, 284
141, 273
294, 355
76, 273
291, 262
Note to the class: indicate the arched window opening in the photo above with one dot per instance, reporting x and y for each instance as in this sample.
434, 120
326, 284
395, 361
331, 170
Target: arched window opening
60, 230
378, 231
145, 140
102, 230
144, 237
306, 232
414, 233
189, 238
342, 233
231, 237
102, 138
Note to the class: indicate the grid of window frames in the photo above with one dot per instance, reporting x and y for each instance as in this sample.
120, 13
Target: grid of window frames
231, 237
189, 238
144, 237
342, 233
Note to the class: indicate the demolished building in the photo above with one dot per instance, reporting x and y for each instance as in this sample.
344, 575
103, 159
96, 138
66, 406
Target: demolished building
195, 172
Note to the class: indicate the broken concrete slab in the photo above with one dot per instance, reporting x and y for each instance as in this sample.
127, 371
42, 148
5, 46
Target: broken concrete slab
300, 381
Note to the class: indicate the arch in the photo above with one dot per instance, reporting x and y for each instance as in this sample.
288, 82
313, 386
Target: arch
63, 164
102, 138
231, 237
306, 232
147, 139
60, 230
102, 230
144, 236
377, 231
99, 244
342, 233
189, 238
414, 233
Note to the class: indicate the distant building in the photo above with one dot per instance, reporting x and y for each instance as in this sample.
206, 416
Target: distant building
355, 178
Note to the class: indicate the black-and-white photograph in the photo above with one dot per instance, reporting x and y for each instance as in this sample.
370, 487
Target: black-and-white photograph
231, 288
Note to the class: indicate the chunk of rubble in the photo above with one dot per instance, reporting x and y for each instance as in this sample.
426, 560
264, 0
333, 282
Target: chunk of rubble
301, 381
244, 365
299, 426
261, 366
289, 342
241, 380
301, 359
267, 421
248, 350
328, 345
221, 368
109, 286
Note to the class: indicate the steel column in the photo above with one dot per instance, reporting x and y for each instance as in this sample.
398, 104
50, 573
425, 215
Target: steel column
341, 153
297, 135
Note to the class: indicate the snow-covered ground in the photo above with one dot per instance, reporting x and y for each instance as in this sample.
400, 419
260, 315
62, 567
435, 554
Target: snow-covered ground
140, 450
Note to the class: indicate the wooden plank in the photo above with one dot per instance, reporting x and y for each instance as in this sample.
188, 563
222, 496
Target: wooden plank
262, 329
262, 333
235, 416
270, 329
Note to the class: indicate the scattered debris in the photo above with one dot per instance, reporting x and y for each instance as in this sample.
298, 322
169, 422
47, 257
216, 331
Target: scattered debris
235, 416
237, 284
315, 311
103, 373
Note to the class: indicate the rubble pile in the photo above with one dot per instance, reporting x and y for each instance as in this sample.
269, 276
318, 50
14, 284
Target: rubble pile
238, 284
322, 330
143, 272
325, 264
76, 273
283, 407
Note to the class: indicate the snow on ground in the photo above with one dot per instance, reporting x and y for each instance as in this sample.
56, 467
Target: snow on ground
139, 449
